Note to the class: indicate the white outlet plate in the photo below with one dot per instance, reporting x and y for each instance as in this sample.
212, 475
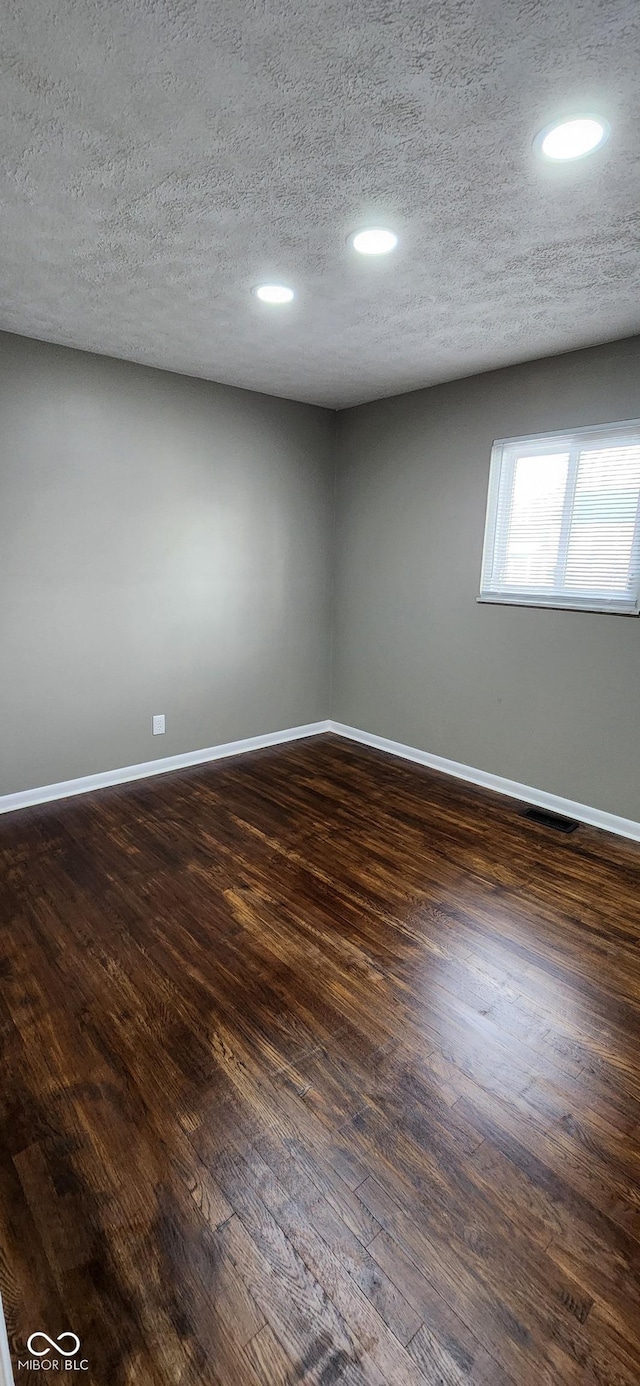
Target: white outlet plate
158, 724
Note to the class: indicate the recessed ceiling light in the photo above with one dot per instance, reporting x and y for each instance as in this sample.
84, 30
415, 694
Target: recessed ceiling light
374, 241
273, 293
572, 139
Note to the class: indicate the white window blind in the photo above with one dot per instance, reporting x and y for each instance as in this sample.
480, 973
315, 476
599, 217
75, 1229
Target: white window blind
563, 520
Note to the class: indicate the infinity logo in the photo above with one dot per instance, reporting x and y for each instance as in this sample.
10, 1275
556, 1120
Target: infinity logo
57, 1345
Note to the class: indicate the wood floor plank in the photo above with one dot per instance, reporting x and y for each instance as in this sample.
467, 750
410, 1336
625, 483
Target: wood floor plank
320, 1067
270, 1362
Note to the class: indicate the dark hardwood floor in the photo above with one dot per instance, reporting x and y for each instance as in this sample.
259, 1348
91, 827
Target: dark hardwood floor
319, 1067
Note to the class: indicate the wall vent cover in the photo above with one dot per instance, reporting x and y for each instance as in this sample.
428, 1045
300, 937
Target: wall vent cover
550, 820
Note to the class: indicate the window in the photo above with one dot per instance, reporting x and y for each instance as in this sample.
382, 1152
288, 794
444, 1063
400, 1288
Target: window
563, 525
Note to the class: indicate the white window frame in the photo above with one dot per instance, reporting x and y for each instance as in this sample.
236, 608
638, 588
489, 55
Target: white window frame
503, 457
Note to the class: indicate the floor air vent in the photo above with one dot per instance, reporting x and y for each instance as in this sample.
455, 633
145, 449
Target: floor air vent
550, 820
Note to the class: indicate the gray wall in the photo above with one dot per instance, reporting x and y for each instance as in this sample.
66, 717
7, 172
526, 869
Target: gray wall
548, 698
164, 547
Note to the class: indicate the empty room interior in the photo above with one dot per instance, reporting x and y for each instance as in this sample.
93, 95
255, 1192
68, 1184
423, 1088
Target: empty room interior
320, 693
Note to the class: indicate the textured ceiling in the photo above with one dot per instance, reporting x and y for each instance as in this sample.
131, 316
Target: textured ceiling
160, 157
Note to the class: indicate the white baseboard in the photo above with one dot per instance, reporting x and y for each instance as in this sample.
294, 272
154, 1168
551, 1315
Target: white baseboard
597, 818
66, 788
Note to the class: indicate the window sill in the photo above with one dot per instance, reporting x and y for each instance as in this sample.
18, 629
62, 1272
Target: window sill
541, 605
